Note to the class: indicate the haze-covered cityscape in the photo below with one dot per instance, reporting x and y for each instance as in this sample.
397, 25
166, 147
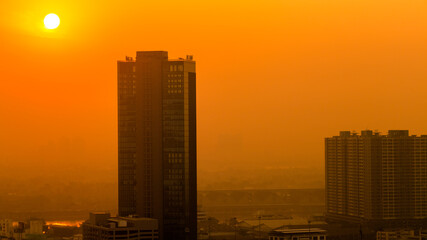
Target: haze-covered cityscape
213, 120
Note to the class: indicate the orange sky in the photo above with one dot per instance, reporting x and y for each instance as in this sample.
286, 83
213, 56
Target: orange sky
274, 77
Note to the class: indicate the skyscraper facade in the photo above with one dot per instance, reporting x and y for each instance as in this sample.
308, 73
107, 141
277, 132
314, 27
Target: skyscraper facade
374, 177
157, 141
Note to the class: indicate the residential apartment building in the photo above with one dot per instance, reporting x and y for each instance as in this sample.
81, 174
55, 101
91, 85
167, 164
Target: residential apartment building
375, 177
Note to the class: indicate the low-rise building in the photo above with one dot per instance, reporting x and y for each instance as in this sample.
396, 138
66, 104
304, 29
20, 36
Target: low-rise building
36, 226
101, 226
401, 234
6, 228
298, 234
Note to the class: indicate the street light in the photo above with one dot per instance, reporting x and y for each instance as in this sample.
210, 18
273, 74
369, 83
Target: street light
209, 227
235, 228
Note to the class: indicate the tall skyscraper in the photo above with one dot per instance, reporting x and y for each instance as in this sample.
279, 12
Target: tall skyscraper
157, 142
376, 178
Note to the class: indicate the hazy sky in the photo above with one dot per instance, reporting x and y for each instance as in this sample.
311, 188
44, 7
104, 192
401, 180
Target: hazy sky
274, 77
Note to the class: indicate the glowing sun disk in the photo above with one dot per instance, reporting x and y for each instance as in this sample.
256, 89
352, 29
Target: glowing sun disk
51, 21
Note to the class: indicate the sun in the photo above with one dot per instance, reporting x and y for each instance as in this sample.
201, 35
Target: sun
51, 21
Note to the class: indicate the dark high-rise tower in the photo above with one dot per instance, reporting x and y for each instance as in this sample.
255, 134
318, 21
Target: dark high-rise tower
157, 141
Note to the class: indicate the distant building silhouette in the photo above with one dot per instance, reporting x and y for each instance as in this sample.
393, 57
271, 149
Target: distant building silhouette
157, 141
377, 180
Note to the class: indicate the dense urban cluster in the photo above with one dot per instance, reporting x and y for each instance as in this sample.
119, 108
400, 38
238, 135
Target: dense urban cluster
376, 185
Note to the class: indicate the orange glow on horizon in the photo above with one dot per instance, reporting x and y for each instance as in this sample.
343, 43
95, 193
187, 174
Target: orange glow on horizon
64, 223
